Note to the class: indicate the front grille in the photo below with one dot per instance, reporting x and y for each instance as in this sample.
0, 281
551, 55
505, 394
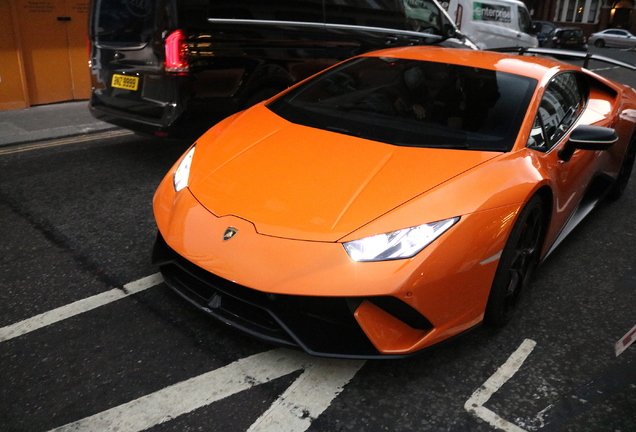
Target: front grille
319, 325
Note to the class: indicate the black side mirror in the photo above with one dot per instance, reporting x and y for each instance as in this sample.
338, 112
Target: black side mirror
587, 137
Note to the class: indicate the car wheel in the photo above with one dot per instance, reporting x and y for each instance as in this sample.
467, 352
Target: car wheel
626, 171
517, 263
599, 43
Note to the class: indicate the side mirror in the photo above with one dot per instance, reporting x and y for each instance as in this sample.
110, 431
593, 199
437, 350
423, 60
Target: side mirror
586, 137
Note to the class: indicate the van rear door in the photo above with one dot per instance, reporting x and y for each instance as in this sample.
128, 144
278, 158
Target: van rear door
127, 61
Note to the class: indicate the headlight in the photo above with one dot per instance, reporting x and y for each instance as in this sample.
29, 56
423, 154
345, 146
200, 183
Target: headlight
182, 173
400, 244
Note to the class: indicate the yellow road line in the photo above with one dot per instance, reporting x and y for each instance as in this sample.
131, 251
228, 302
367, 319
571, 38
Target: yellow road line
74, 140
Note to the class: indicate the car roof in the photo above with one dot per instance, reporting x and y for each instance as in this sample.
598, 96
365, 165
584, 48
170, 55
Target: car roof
529, 66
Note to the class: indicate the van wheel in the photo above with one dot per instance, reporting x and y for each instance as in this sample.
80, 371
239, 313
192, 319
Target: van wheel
260, 96
600, 43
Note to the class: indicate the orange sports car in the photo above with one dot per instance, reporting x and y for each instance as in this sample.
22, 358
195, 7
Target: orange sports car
393, 201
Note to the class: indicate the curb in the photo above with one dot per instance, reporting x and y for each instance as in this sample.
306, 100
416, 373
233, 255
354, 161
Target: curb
55, 133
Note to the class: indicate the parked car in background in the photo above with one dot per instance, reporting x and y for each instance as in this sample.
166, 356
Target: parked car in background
613, 38
566, 38
542, 29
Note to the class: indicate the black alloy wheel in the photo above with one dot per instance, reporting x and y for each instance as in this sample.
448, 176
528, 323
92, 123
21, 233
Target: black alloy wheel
517, 263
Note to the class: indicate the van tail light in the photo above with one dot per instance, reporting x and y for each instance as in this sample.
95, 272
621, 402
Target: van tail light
177, 53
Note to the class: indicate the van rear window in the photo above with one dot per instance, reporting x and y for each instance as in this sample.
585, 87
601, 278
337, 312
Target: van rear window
123, 21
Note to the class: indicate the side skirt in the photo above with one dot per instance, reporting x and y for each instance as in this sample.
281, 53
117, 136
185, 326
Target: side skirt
594, 195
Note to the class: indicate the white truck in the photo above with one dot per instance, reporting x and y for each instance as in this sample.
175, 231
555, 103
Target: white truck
493, 23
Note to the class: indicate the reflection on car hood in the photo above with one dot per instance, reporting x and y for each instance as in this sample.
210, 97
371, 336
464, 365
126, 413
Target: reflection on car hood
297, 182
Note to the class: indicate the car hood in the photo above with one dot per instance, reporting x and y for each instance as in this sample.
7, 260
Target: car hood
297, 182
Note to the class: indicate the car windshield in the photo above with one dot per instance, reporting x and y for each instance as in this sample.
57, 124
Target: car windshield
413, 103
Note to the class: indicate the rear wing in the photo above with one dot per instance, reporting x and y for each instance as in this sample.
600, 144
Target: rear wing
573, 55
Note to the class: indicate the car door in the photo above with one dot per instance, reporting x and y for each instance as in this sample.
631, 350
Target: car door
619, 38
626, 39
525, 28
561, 106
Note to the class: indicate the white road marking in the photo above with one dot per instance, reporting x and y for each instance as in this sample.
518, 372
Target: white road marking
475, 405
624, 342
78, 307
322, 375
308, 397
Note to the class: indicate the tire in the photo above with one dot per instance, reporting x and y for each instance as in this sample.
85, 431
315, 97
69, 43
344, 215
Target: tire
518, 261
599, 43
626, 171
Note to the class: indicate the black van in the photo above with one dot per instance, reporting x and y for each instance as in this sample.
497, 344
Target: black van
176, 67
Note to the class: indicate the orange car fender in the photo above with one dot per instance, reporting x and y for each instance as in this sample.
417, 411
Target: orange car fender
625, 125
508, 179
449, 286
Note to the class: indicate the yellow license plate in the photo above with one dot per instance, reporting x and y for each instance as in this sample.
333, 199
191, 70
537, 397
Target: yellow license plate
125, 82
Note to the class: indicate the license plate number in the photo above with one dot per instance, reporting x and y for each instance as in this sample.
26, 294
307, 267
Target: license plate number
125, 82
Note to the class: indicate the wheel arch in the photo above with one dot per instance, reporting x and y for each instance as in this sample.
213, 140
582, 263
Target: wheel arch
547, 198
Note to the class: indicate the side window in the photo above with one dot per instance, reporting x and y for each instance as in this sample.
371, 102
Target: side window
423, 15
560, 107
537, 137
525, 22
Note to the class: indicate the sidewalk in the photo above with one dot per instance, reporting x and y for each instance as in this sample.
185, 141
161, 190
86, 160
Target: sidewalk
47, 122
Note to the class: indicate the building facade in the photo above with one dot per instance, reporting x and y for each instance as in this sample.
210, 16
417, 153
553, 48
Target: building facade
590, 15
43, 52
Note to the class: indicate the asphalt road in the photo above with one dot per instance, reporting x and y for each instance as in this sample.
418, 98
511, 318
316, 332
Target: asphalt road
121, 349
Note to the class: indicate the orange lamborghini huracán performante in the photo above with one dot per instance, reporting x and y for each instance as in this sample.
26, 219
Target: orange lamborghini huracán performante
393, 201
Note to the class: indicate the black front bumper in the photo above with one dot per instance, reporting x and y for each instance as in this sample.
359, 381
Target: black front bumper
323, 326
